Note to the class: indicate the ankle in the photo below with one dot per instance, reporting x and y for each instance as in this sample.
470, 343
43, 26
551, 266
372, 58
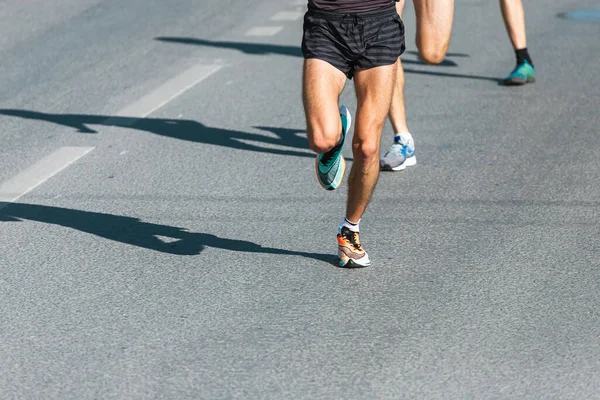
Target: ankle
522, 55
353, 226
404, 138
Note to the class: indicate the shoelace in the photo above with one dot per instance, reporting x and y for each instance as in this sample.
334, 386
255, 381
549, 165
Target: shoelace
395, 149
356, 241
352, 237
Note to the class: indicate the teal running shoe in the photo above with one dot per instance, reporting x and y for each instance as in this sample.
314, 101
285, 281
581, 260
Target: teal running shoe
331, 166
522, 74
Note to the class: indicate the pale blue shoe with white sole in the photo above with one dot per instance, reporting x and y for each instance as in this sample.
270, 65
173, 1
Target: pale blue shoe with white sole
400, 155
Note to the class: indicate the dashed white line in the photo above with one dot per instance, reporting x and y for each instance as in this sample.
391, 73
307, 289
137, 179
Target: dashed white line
55, 162
287, 16
164, 93
40, 172
264, 31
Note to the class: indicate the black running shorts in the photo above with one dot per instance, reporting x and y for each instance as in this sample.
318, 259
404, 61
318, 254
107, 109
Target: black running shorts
354, 41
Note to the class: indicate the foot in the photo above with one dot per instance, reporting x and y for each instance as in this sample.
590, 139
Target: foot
522, 74
330, 166
351, 253
400, 155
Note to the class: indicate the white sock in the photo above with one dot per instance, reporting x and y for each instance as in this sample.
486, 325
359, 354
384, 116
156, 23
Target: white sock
353, 226
405, 139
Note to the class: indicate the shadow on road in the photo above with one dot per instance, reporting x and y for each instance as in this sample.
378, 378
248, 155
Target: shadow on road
264, 49
137, 233
451, 75
181, 129
449, 54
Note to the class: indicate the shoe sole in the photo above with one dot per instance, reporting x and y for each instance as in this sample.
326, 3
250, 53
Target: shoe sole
410, 162
518, 82
352, 264
338, 179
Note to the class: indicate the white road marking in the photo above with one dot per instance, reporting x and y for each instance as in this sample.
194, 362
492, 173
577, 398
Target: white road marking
264, 31
287, 16
166, 239
55, 162
123, 152
40, 172
163, 94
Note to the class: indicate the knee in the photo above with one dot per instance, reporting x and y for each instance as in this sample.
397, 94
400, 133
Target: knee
432, 54
366, 151
323, 138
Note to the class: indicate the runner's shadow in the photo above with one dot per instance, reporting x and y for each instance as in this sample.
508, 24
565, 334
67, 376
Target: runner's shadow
451, 75
137, 233
187, 130
416, 53
247, 48
265, 49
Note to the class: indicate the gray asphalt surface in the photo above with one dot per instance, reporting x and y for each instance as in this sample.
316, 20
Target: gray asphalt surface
190, 255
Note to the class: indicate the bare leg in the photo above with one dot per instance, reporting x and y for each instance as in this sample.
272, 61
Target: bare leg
514, 20
434, 26
397, 109
321, 88
374, 89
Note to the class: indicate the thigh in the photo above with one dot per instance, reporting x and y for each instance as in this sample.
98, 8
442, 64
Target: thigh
322, 84
434, 26
374, 88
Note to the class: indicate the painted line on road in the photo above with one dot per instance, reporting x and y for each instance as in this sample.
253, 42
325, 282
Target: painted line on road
264, 31
165, 93
287, 16
55, 162
40, 172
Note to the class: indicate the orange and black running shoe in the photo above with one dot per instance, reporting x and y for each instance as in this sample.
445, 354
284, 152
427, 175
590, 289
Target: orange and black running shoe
351, 253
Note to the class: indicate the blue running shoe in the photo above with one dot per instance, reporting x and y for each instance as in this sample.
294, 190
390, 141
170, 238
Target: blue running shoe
522, 74
400, 155
330, 166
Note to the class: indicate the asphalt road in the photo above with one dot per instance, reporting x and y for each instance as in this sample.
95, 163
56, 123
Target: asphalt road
162, 234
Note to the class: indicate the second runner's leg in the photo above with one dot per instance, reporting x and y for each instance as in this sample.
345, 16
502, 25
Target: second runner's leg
514, 20
434, 26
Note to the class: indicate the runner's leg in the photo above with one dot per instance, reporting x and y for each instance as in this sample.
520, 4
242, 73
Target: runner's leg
374, 88
321, 88
434, 26
397, 109
514, 20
